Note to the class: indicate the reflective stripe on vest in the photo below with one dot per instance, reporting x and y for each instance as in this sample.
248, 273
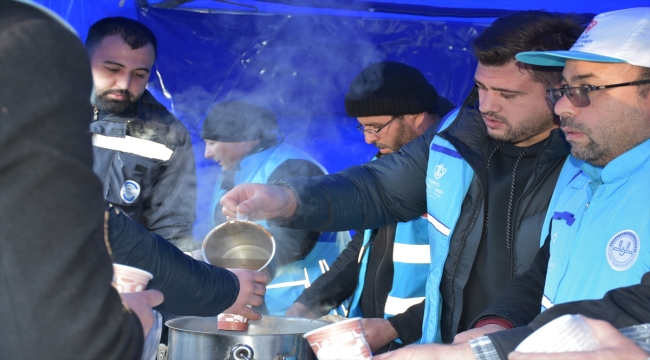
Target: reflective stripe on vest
411, 254
131, 145
397, 305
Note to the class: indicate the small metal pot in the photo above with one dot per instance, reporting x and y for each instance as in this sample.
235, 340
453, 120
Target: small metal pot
272, 338
241, 244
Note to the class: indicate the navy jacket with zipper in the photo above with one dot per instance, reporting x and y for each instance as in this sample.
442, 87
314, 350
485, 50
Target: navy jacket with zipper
167, 198
392, 189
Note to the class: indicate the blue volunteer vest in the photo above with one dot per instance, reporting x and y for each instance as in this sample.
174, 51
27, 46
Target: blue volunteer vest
412, 256
448, 179
411, 259
290, 279
600, 229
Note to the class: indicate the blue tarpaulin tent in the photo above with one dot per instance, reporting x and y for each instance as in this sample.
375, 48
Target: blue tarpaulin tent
297, 58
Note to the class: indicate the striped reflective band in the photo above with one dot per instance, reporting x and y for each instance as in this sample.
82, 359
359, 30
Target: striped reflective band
396, 305
304, 283
547, 303
131, 145
411, 254
438, 225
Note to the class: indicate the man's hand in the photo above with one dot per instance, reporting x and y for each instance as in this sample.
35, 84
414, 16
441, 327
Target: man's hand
301, 311
476, 333
252, 287
379, 332
141, 303
259, 201
613, 345
429, 352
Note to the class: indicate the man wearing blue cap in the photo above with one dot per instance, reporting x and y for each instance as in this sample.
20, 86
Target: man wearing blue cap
600, 208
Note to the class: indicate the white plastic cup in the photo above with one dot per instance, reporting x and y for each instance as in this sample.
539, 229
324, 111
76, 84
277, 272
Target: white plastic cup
341, 340
128, 279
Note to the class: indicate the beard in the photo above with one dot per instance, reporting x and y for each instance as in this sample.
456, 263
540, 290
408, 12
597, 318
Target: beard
114, 106
530, 127
592, 152
403, 136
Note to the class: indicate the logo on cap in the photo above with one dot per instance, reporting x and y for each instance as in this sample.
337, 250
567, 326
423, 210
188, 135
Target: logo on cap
591, 26
622, 250
130, 191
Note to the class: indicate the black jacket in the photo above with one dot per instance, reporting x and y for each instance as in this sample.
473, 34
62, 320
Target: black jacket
620, 307
191, 287
167, 197
56, 298
392, 189
469, 137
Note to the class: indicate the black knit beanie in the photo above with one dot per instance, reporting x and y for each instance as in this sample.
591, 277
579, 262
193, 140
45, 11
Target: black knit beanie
390, 88
235, 121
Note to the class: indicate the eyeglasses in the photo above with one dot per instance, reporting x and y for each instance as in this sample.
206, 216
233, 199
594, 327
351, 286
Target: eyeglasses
579, 95
376, 131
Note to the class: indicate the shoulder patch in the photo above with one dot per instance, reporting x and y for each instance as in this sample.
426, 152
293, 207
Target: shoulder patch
622, 250
130, 191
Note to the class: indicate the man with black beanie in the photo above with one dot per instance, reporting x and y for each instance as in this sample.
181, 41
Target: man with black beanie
394, 103
485, 181
246, 142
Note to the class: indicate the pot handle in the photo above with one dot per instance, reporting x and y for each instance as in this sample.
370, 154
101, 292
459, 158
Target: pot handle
242, 352
242, 217
162, 352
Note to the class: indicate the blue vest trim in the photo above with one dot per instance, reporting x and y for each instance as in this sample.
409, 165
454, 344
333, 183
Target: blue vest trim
446, 151
567, 216
438, 225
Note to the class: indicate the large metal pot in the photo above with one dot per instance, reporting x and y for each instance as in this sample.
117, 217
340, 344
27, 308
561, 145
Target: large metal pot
272, 338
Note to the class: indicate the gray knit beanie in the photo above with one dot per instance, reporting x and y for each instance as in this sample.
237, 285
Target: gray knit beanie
236, 121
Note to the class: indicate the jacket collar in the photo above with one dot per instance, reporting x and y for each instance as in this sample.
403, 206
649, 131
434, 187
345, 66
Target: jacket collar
468, 134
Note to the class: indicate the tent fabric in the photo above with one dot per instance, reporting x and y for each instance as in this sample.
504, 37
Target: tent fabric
297, 58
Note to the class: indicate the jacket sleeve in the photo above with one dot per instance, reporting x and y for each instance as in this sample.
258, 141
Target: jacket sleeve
293, 244
379, 193
335, 286
520, 301
620, 307
169, 211
409, 323
191, 287
56, 298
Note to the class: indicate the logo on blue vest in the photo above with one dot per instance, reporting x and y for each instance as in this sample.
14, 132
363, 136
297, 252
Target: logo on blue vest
439, 171
623, 250
130, 191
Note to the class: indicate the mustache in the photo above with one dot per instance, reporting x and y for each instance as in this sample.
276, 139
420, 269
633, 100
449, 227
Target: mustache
118, 92
379, 145
494, 115
567, 121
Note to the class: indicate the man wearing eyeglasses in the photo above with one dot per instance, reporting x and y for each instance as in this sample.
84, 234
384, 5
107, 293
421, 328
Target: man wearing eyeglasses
484, 182
598, 241
394, 103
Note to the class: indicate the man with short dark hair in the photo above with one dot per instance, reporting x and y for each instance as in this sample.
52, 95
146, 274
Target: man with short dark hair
394, 104
597, 245
485, 181
143, 154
